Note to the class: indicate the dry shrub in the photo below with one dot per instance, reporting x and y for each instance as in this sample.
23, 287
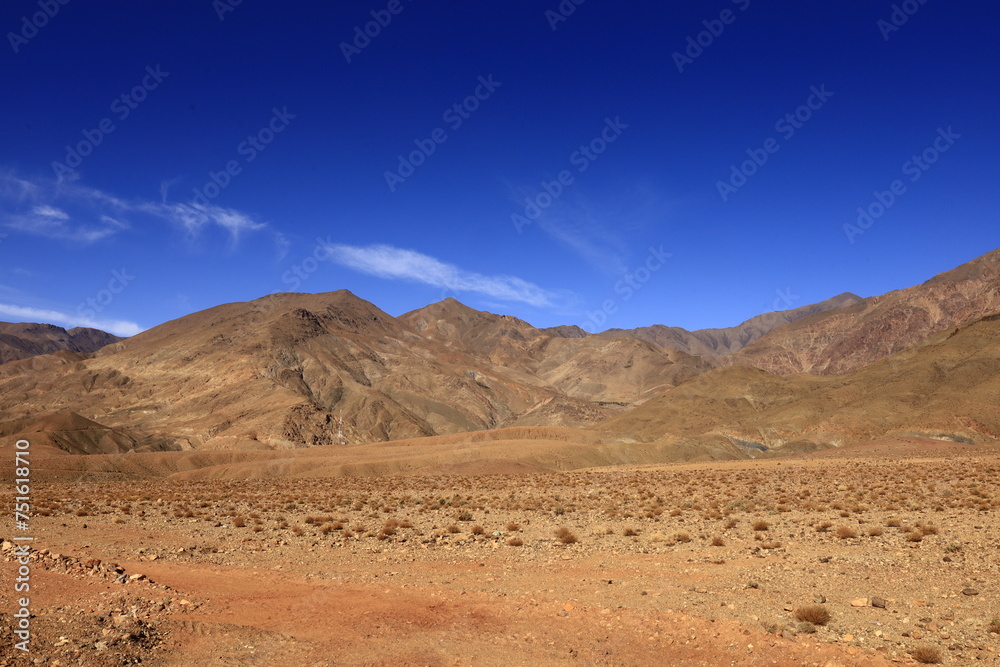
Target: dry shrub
994, 626
239, 522
846, 532
760, 524
566, 536
814, 613
928, 529
874, 532
514, 542
513, 527
682, 537
452, 528
630, 532
730, 524
893, 523
477, 530
771, 544
927, 655
718, 541
915, 536
823, 527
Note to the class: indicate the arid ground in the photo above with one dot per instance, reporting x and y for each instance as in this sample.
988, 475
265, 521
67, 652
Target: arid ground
867, 555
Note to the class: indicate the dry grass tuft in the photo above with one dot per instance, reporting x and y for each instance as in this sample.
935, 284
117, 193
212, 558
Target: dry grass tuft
814, 613
846, 532
566, 536
927, 655
760, 524
718, 542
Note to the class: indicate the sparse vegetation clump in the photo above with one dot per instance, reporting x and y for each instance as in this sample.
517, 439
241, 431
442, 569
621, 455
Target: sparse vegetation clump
846, 532
815, 614
566, 536
760, 525
927, 655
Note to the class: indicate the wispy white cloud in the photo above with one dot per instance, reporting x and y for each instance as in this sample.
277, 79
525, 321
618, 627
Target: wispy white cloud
27, 314
385, 261
597, 229
69, 211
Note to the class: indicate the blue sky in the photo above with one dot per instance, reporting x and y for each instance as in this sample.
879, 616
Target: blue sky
617, 165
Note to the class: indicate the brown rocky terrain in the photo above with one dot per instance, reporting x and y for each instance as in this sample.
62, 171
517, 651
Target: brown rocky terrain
947, 387
511, 495
284, 370
293, 370
23, 340
714, 343
878, 556
845, 339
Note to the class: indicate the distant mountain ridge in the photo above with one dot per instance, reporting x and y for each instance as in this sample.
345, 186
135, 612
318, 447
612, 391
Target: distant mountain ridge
23, 340
292, 370
715, 343
832, 342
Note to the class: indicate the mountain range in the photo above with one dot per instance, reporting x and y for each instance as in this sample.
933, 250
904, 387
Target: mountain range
294, 370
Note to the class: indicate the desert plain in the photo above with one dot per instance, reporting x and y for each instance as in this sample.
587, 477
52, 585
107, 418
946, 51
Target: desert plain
884, 553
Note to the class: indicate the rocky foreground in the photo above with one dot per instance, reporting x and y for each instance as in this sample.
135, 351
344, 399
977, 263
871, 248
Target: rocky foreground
884, 557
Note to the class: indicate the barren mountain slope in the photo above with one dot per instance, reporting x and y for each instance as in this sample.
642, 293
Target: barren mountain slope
947, 387
278, 371
842, 340
23, 340
603, 370
712, 343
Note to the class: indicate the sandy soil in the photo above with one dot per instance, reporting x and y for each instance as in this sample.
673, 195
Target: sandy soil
665, 565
